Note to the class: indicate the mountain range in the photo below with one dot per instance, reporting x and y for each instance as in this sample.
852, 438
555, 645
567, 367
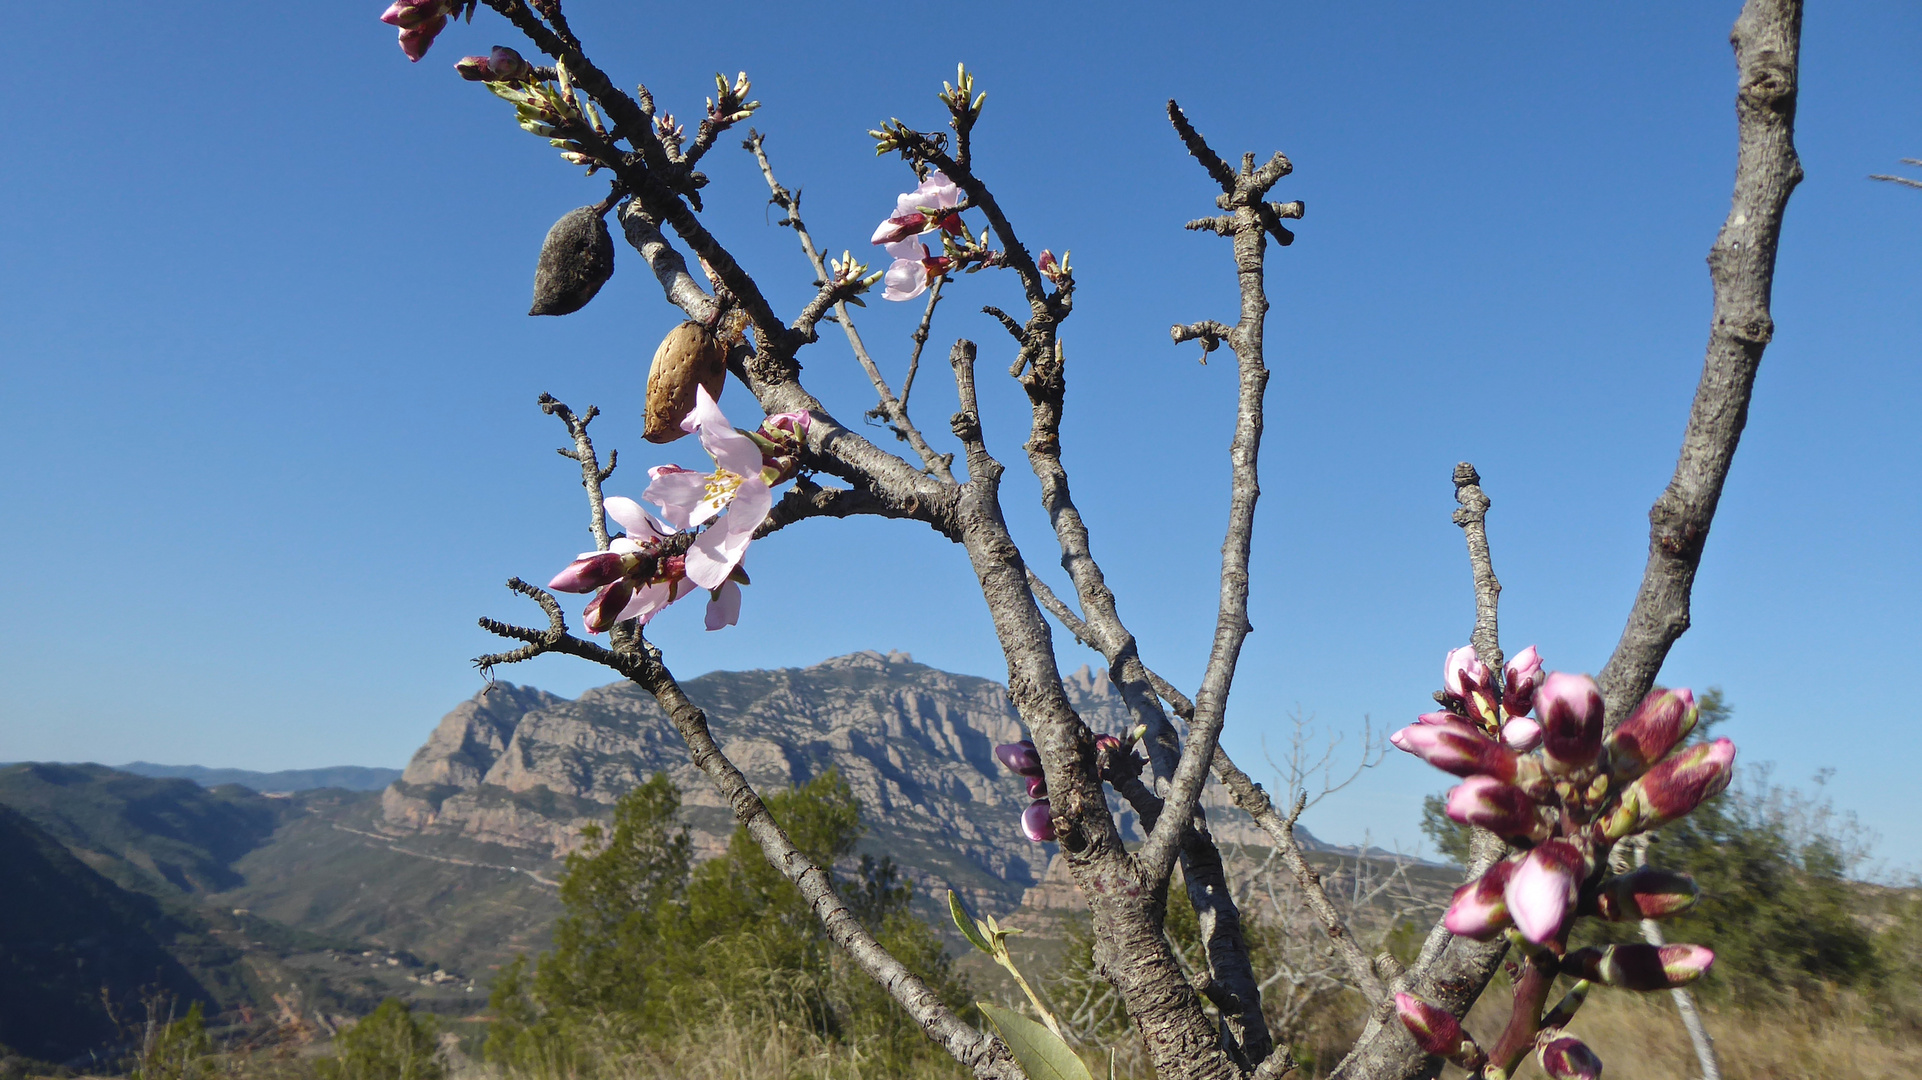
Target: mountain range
272, 890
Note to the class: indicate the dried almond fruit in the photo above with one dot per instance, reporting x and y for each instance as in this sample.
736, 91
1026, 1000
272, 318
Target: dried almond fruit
690, 356
577, 258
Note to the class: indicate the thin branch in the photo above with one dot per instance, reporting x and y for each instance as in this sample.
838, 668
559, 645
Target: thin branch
1742, 269
1903, 180
920, 338
1473, 519
1684, 1001
592, 475
939, 465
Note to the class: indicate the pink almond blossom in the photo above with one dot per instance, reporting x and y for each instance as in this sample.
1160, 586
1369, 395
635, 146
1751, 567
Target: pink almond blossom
419, 21
736, 492
916, 211
1479, 909
1521, 677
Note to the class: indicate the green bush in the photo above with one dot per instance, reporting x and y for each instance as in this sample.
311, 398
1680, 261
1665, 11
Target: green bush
648, 949
176, 1050
389, 1043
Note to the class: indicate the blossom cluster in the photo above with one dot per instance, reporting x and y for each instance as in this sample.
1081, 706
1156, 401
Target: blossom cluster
1562, 793
917, 213
705, 524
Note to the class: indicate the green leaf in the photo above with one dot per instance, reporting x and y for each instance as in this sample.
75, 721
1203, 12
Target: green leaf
965, 923
1042, 1054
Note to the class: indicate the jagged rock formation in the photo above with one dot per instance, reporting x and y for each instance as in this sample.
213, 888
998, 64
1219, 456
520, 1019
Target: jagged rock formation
525, 769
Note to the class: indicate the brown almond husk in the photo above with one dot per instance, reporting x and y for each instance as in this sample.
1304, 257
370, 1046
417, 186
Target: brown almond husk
690, 356
577, 258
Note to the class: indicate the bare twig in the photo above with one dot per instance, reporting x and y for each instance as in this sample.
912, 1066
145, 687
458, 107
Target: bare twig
1742, 270
592, 474
1903, 180
1684, 1001
1473, 519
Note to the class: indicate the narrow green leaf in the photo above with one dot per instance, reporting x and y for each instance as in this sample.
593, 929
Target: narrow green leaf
965, 923
1041, 1053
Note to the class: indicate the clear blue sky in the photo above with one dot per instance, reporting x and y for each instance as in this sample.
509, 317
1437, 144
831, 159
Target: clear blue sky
270, 444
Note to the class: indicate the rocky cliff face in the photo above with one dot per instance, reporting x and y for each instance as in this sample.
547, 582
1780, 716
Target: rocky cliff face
525, 769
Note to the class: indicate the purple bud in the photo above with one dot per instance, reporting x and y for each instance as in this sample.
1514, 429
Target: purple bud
1541, 894
789, 430
1522, 734
473, 68
1672, 788
1037, 821
1435, 1029
1521, 677
1639, 967
1107, 742
1663, 719
1457, 747
1037, 788
1480, 909
1500, 808
605, 608
1019, 757
415, 40
1645, 893
1570, 709
1568, 1058
590, 571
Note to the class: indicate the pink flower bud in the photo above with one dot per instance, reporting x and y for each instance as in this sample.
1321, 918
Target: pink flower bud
1457, 747
1107, 742
1568, 1058
788, 431
605, 609
1439, 718
415, 40
1522, 734
1639, 967
1463, 673
1521, 677
1663, 719
1541, 893
896, 229
590, 571
1037, 822
1500, 808
1646, 893
1570, 709
1435, 1029
1037, 788
501, 65
1046, 262
1019, 757
1480, 908
1672, 788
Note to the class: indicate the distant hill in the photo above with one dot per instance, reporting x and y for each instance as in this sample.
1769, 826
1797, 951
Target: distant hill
349, 777
75, 949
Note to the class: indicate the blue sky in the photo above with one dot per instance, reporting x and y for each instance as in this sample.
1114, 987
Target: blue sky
270, 444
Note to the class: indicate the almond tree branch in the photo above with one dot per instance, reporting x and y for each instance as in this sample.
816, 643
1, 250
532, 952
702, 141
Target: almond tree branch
1243, 194
1742, 269
1230, 970
1473, 519
895, 411
592, 475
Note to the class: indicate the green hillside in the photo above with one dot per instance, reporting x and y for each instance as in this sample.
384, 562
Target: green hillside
75, 949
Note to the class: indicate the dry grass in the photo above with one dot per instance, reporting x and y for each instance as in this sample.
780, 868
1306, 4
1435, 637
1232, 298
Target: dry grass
1640, 1037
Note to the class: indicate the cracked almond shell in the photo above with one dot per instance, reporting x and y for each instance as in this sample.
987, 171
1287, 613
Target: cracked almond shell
690, 356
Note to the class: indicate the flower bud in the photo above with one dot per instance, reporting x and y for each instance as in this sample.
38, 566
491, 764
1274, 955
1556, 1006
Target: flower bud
1107, 742
1457, 747
1479, 909
1565, 1009
1500, 808
501, 65
1663, 719
788, 431
1037, 788
1639, 967
899, 228
1568, 1058
1435, 1029
1646, 893
415, 40
1019, 757
1672, 788
1463, 673
590, 571
605, 609
1521, 677
1522, 734
1541, 893
1037, 822
1570, 709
